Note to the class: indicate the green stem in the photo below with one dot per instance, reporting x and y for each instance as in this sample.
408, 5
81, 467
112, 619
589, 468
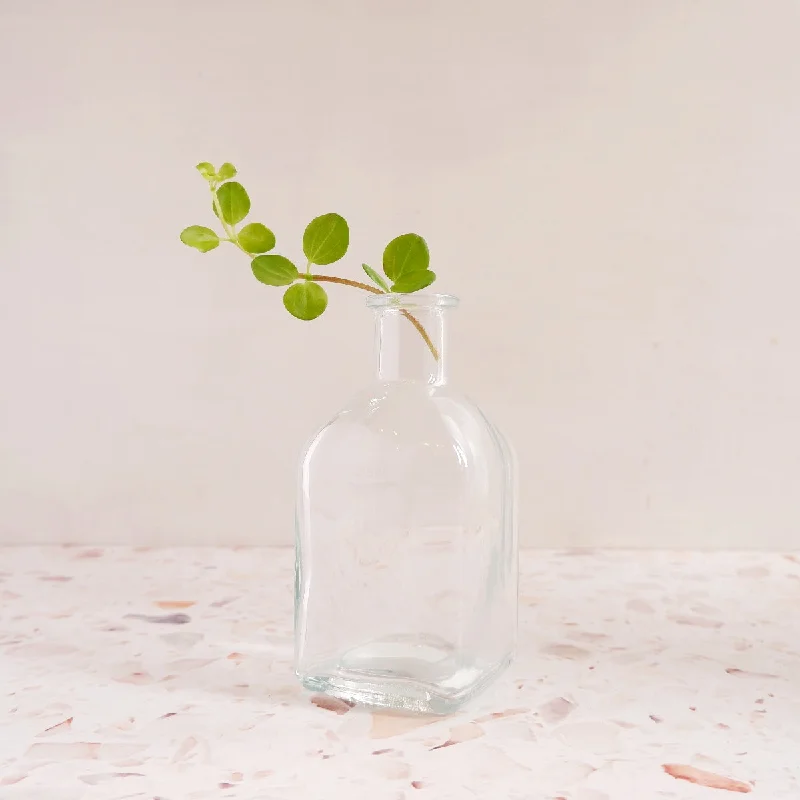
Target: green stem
229, 229
367, 288
344, 281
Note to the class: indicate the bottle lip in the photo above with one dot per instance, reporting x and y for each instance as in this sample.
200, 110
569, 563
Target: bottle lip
416, 300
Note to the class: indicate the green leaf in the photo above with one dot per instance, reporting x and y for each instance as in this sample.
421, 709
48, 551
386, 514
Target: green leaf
413, 282
226, 171
306, 300
233, 202
405, 254
202, 239
256, 238
274, 270
326, 239
375, 278
206, 170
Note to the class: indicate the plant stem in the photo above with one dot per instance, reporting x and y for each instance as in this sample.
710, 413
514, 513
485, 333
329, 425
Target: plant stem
422, 332
229, 229
345, 282
367, 288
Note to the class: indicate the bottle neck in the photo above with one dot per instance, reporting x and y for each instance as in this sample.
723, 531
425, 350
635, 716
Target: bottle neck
404, 354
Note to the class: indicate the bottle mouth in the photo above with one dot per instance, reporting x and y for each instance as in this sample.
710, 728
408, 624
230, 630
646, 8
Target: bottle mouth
409, 302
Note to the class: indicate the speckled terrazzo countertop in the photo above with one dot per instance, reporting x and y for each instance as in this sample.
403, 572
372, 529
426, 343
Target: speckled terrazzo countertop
138, 673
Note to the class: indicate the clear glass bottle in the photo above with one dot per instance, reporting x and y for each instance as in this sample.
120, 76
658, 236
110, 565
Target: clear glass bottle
406, 573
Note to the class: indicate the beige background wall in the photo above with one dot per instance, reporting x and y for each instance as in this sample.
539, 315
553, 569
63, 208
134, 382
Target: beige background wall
613, 188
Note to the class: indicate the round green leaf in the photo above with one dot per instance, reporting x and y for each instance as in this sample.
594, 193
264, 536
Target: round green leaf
306, 300
202, 239
233, 202
326, 239
376, 279
413, 282
206, 170
274, 270
256, 238
226, 171
405, 254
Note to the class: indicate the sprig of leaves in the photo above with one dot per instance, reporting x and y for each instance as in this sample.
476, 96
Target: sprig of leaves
326, 239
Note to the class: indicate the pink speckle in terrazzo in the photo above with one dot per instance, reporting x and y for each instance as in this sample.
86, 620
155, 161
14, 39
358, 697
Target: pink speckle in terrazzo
388, 725
331, 703
92, 552
568, 651
184, 750
135, 677
701, 777
57, 751
556, 710
697, 622
744, 673
43, 650
753, 572
58, 728
224, 601
461, 733
509, 712
104, 777
10, 780
640, 606
171, 605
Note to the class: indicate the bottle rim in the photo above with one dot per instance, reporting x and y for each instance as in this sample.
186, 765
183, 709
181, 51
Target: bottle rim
415, 300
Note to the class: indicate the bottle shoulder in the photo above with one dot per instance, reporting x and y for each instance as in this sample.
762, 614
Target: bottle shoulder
410, 414
411, 401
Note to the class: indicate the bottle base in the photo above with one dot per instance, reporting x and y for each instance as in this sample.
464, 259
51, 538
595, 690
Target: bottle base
412, 675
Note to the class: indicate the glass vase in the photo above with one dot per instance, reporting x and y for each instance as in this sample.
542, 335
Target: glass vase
406, 570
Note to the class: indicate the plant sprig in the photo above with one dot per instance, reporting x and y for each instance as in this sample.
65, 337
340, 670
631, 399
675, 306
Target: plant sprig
406, 260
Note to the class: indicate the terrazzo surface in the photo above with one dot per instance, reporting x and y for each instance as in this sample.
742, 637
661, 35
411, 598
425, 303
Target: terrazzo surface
166, 675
